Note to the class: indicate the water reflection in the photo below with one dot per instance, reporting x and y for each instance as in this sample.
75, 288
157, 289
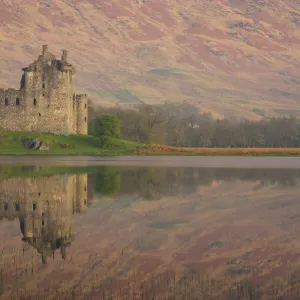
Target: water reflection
154, 183
147, 223
44, 207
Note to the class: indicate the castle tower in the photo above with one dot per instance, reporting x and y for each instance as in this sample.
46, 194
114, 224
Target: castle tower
81, 114
64, 57
45, 101
45, 50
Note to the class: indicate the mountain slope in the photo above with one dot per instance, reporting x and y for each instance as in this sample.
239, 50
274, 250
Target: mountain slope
230, 57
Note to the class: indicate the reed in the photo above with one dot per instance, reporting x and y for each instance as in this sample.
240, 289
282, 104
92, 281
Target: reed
171, 284
156, 149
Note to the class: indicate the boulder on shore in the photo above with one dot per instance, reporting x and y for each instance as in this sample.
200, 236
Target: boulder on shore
32, 144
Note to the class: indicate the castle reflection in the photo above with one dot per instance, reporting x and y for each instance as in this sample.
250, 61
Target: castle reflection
44, 207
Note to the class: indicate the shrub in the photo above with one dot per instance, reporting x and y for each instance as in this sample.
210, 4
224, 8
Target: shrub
107, 126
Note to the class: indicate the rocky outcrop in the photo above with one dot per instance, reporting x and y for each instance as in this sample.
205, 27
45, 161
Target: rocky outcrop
32, 144
35, 144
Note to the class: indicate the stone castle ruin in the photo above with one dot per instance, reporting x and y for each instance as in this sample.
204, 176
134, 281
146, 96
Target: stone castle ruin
45, 207
45, 101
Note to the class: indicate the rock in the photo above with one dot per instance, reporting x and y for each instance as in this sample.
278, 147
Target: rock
32, 144
64, 146
216, 52
44, 146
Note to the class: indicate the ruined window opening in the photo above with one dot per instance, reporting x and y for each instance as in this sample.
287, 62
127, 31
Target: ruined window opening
17, 101
85, 106
5, 206
6, 101
43, 94
34, 102
85, 188
85, 119
43, 85
34, 206
43, 223
40, 115
39, 194
85, 202
17, 207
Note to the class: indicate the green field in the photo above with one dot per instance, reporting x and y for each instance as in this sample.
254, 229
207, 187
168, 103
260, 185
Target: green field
11, 144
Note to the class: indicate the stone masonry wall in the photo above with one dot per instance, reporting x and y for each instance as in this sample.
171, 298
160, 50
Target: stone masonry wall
45, 101
81, 114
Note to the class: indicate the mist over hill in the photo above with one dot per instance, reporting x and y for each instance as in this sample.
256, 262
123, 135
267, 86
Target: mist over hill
229, 57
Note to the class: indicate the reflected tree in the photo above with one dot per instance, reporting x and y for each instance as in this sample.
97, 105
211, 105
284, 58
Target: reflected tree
107, 181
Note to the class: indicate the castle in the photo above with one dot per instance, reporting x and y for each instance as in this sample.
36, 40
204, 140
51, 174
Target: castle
44, 207
45, 101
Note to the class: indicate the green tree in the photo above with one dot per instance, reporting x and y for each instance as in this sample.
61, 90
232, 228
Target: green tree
184, 125
107, 126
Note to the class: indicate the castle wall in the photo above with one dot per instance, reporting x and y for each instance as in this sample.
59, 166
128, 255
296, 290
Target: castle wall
81, 114
12, 114
37, 111
45, 101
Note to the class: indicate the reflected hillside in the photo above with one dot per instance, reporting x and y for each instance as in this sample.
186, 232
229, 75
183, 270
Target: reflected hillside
154, 183
171, 233
44, 207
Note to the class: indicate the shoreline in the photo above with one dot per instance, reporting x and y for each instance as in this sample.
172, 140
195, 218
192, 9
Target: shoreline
160, 152
158, 161
12, 144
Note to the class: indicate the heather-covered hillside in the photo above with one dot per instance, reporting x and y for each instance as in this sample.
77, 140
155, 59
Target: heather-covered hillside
229, 57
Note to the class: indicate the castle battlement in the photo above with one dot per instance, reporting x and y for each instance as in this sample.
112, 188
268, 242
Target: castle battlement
45, 101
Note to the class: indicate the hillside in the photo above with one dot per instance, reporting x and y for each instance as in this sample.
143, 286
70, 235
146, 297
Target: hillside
230, 57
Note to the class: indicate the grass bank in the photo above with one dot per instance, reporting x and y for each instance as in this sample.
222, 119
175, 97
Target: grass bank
11, 144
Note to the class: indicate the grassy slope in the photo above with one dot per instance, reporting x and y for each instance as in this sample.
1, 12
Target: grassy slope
11, 144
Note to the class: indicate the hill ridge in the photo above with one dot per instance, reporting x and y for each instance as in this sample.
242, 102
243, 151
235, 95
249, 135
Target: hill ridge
229, 57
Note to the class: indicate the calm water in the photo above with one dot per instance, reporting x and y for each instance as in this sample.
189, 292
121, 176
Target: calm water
125, 230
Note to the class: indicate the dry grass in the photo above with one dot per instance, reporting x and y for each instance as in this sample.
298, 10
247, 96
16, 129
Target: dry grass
157, 149
167, 285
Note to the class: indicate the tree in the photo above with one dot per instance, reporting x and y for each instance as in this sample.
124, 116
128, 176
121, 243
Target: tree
183, 125
107, 126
